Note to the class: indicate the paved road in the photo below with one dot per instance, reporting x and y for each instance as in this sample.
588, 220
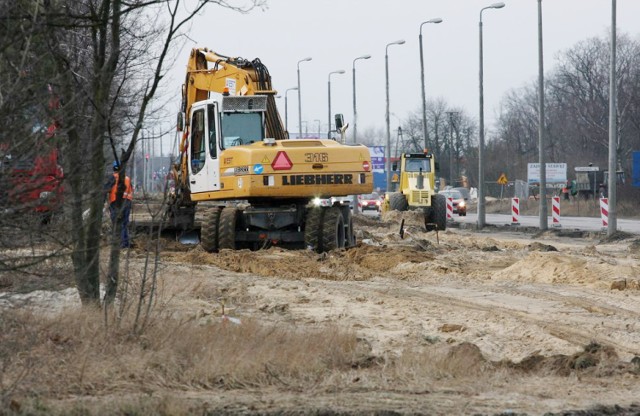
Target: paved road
570, 223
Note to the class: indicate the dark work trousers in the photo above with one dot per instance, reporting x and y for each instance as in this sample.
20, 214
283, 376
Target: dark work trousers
126, 210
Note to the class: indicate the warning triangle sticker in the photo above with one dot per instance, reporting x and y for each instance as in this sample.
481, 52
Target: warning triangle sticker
281, 161
265, 161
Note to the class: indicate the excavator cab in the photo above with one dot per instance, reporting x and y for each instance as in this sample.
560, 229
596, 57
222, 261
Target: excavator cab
240, 121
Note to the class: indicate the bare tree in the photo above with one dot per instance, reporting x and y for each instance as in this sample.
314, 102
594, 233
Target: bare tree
463, 146
105, 92
578, 103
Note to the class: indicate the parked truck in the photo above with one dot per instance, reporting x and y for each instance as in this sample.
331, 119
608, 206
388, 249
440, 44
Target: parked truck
32, 178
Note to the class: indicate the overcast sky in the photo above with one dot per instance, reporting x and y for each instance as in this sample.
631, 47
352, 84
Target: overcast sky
334, 32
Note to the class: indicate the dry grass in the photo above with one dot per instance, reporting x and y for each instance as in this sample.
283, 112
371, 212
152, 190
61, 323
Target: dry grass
71, 364
47, 361
73, 354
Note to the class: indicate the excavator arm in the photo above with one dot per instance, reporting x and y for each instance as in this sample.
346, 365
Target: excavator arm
208, 72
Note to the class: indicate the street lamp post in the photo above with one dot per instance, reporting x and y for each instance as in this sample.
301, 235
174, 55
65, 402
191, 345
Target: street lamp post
300, 98
286, 108
481, 202
424, 99
355, 112
387, 150
541, 144
339, 71
613, 130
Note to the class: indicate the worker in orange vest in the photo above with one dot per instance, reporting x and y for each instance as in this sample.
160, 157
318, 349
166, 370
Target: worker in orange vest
127, 198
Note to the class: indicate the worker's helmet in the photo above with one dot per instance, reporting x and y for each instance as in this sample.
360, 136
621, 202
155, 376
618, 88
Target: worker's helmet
116, 165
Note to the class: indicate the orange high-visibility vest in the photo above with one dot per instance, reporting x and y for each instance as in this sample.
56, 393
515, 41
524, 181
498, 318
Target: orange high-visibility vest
128, 191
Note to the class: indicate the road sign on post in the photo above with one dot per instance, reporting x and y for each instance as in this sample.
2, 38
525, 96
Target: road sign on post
502, 180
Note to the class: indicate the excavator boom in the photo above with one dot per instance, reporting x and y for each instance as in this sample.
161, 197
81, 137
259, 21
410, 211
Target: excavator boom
238, 76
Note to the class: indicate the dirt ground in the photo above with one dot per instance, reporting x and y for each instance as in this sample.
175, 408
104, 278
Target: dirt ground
563, 308
513, 295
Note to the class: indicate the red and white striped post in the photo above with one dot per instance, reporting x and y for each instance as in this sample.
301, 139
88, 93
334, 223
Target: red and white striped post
515, 211
555, 211
449, 209
604, 212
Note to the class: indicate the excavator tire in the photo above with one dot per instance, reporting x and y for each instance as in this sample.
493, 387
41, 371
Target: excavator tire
347, 218
227, 228
209, 231
312, 228
440, 212
429, 218
332, 230
398, 202
350, 239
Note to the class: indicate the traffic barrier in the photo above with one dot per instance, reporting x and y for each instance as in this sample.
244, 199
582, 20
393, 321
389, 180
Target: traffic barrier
449, 209
515, 211
555, 211
604, 212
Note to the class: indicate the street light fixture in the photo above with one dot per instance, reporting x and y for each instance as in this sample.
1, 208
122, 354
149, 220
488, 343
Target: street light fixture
424, 99
339, 71
300, 99
387, 150
355, 112
286, 108
481, 202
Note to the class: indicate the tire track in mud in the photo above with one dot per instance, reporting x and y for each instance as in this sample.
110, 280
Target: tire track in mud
516, 304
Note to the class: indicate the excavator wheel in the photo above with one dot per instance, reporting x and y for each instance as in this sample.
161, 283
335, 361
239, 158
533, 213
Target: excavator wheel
347, 218
312, 227
324, 229
209, 231
350, 238
398, 202
429, 218
227, 228
332, 231
440, 212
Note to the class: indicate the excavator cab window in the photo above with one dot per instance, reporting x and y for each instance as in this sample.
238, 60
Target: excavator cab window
198, 150
241, 128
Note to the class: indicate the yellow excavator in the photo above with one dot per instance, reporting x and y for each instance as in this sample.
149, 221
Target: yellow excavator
259, 184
